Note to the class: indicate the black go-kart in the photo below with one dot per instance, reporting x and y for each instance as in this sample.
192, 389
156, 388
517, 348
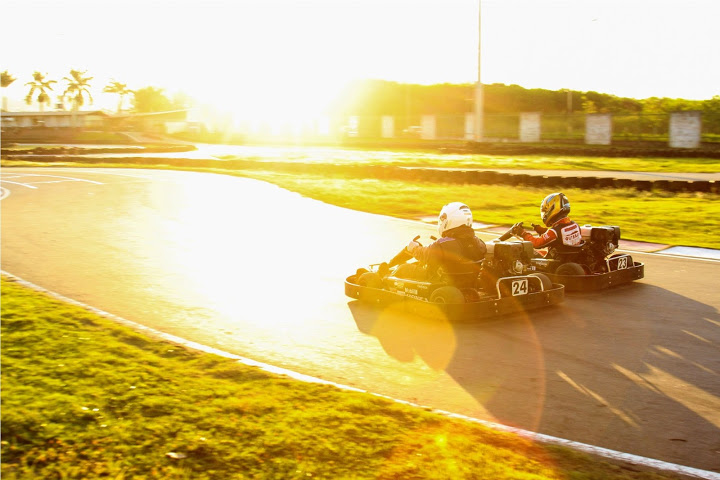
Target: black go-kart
592, 266
504, 283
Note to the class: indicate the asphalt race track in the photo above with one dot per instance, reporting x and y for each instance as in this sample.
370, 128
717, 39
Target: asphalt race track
255, 270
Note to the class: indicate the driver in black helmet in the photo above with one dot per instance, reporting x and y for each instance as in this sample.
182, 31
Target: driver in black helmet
562, 233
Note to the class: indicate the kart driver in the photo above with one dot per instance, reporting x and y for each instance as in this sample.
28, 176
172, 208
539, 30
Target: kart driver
457, 254
562, 234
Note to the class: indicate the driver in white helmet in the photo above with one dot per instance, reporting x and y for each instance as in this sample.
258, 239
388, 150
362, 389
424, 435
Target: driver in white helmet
457, 254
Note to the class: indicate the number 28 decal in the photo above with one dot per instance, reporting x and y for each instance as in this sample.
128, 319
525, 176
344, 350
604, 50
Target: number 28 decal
519, 287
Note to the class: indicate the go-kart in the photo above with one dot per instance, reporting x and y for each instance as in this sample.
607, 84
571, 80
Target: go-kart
503, 282
592, 266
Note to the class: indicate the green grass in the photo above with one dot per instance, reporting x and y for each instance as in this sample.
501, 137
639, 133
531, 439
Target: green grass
689, 219
84, 397
339, 155
477, 161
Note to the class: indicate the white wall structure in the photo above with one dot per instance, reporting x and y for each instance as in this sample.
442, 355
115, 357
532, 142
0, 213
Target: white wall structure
598, 129
388, 126
64, 119
428, 125
530, 126
469, 126
685, 129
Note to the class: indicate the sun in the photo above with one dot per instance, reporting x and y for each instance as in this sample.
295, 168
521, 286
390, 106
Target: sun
271, 104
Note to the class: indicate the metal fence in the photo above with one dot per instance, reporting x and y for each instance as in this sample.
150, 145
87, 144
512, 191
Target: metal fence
506, 127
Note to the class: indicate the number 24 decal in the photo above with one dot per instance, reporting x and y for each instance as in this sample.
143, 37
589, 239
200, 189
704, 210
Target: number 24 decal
519, 287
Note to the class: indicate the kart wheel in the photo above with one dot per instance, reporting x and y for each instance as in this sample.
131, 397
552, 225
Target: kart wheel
370, 279
447, 295
570, 269
546, 282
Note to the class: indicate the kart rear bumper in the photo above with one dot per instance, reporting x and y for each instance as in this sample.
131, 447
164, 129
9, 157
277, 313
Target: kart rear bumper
599, 281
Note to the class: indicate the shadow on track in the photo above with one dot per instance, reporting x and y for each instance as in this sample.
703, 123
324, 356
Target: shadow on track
634, 369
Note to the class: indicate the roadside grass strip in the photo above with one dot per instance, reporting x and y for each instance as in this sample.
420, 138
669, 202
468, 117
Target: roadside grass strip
656, 217
410, 158
86, 397
518, 162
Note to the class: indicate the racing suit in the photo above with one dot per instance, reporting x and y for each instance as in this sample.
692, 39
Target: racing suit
558, 239
456, 257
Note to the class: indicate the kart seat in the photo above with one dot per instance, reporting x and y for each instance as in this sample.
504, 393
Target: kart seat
565, 252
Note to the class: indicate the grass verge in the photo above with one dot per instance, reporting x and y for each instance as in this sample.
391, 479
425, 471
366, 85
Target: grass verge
428, 158
478, 161
658, 217
84, 397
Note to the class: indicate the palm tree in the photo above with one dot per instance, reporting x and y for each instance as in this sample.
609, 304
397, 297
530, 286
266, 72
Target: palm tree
40, 85
77, 88
5, 80
120, 89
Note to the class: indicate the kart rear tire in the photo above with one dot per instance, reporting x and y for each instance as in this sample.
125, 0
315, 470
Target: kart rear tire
546, 282
447, 295
570, 269
370, 279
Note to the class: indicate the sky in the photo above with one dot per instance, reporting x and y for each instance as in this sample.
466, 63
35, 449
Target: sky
294, 54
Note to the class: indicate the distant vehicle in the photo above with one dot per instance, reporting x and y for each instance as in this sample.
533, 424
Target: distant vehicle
348, 131
413, 131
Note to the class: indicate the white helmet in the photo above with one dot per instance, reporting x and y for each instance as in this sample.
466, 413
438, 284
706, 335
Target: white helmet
454, 215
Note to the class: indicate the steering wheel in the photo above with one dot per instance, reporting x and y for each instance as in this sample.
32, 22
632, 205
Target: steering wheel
509, 233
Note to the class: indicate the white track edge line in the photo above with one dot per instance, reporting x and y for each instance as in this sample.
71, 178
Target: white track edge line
538, 437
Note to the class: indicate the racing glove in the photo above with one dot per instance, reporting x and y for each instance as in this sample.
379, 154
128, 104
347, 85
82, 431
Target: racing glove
518, 229
412, 246
539, 229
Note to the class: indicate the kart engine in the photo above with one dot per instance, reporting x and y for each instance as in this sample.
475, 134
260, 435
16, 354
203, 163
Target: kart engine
510, 257
603, 241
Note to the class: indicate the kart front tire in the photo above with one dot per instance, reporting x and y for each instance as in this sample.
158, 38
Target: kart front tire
447, 295
546, 282
370, 279
570, 269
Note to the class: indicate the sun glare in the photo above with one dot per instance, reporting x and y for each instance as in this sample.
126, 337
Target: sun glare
272, 105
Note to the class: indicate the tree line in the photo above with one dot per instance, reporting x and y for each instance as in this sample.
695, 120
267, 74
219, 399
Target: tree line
76, 93
381, 97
